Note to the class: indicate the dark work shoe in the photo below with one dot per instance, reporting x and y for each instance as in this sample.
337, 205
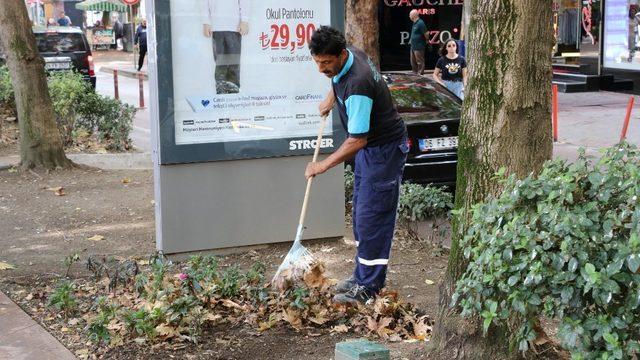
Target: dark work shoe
357, 294
345, 285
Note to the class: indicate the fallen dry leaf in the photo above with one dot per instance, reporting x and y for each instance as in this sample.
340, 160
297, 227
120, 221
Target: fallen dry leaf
380, 327
230, 304
96, 238
82, 353
422, 328
212, 317
126, 180
340, 329
167, 331
57, 191
429, 282
6, 266
315, 278
293, 318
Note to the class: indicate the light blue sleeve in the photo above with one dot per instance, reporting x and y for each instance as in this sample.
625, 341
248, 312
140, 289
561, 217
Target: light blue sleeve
359, 114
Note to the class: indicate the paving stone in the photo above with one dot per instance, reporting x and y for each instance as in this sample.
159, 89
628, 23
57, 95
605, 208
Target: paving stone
22, 338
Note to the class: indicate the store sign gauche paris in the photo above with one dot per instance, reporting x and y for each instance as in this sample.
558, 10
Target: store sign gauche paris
422, 2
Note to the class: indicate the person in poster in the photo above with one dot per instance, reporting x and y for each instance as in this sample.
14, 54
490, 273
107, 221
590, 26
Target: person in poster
228, 23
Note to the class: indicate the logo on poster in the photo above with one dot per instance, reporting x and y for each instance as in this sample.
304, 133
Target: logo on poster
309, 144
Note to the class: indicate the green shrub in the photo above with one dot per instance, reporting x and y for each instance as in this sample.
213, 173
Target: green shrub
419, 202
564, 244
110, 119
78, 107
6, 87
63, 297
230, 282
67, 91
115, 124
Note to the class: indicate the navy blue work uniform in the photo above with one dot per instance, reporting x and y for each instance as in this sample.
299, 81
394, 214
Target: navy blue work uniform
366, 110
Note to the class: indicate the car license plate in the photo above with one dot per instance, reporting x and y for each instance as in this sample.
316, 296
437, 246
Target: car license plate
442, 143
57, 65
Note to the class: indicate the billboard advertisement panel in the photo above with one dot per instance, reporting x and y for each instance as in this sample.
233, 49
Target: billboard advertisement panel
241, 79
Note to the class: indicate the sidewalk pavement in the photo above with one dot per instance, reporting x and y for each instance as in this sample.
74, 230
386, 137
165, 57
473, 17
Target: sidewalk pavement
22, 338
107, 61
124, 70
593, 121
118, 161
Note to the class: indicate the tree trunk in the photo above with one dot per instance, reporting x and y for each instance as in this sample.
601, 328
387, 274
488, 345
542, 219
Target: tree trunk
506, 122
40, 141
361, 27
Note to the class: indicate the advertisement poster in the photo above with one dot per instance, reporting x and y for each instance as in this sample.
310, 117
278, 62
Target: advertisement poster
442, 18
621, 34
242, 70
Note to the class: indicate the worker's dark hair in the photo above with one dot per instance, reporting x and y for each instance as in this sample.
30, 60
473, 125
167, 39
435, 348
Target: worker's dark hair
327, 41
443, 48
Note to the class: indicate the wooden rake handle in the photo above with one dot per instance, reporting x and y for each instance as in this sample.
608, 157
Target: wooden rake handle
305, 202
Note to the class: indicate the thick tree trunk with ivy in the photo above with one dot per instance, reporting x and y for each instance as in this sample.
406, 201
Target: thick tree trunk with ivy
506, 122
361, 27
40, 141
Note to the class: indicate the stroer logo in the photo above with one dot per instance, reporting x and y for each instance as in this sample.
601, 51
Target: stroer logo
309, 144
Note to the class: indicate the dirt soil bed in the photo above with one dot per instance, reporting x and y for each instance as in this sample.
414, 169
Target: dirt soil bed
111, 213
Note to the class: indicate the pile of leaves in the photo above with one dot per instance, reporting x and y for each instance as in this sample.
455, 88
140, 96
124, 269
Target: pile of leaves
162, 302
564, 244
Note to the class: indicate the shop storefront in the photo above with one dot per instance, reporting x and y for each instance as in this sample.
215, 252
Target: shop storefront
599, 38
443, 20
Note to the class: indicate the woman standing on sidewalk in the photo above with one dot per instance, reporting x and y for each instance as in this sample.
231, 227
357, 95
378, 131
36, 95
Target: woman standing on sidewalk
451, 68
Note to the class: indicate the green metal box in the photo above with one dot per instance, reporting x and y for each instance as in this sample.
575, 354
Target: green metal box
361, 349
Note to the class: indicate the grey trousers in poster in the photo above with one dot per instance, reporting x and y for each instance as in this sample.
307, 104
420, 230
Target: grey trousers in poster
226, 52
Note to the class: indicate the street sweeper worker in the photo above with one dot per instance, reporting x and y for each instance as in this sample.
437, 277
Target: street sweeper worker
377, 137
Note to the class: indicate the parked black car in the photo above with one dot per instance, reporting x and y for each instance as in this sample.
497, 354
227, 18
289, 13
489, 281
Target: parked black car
66, 48
432, 115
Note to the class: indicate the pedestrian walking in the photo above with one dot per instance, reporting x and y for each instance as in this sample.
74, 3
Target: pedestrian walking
140, 41
118, 30
64, 20
451, 68
377, 136
418, 41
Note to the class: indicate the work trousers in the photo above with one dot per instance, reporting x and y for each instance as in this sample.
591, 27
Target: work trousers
226, 53
378, 173
417, 61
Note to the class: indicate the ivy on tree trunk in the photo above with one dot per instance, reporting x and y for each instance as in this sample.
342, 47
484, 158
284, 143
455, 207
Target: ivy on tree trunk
40, 141
506, 123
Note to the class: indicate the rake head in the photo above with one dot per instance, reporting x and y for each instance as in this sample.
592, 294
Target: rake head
297, 261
